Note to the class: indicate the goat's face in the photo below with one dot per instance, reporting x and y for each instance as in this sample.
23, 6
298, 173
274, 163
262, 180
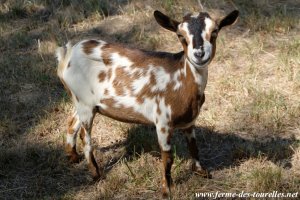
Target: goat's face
197, 33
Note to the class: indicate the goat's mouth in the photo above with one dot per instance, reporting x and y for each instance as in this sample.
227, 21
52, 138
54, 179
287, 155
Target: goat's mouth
199, 63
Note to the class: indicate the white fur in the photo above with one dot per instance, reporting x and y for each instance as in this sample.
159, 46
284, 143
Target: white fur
162, 79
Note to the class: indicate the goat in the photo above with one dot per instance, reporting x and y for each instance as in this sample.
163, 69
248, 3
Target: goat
138, 86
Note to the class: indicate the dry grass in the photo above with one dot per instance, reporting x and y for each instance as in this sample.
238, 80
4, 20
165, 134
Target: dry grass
248, 132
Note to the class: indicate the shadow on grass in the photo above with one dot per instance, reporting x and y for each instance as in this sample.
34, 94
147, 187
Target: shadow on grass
45, 10
217, 150
34, 171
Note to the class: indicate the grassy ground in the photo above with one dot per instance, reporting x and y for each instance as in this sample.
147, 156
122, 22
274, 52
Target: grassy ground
248, 131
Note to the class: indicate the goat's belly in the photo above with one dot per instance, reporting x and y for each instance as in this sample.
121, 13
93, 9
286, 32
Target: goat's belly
123, 114
127, 109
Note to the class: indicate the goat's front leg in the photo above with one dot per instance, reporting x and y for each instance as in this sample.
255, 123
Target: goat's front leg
164, 134
193, 149
73, 128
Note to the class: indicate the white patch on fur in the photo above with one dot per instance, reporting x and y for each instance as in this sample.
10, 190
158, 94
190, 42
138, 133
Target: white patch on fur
139, 83
198, 164
195, 15
71, 139
163, 123
207, 47
165, 110
97, 51
87, 147
190, 38
82, 76
120, 60
162, 79
176, 76
163, 138
127, 101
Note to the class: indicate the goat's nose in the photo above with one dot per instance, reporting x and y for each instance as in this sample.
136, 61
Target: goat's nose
199, 54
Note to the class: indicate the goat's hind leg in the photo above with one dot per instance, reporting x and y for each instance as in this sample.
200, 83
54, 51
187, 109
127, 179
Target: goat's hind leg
70, 147
86, 116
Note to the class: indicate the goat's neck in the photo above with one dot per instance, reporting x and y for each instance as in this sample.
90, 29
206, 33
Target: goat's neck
200, 75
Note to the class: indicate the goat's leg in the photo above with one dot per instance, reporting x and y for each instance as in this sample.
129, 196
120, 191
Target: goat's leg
86, 117
70, 147
194, 152
164, 135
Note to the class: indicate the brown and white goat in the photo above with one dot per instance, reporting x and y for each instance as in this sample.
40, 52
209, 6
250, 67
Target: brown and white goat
138, 86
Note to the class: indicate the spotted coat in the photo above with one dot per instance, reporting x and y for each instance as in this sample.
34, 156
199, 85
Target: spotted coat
138, 86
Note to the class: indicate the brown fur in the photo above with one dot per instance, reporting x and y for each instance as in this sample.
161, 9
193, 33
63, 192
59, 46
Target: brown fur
106, 92
182, 113
122, 81
144, 58
187, 110
102, 76
71, 123
71, 151
214, 46
89, 45
106, 58
167, 182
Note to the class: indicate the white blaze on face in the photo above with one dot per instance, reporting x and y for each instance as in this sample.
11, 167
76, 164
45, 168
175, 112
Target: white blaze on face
190, 49
207, 47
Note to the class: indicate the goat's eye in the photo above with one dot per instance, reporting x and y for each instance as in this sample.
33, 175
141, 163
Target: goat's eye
180, 36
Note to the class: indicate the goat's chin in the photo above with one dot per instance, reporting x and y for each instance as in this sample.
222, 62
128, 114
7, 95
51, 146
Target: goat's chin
201, 64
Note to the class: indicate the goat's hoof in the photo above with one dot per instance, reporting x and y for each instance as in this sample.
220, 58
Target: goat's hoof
200, 171
73, 158
97, 178
166, 193
203, 172
98, 175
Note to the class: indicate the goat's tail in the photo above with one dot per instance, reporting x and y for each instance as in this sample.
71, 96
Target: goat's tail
63, 56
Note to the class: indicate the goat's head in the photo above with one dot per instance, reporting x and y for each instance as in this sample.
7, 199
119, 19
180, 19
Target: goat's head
197, 33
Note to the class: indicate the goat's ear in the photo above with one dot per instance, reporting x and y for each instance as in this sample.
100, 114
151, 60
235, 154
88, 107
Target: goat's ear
165, 21
229, 19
